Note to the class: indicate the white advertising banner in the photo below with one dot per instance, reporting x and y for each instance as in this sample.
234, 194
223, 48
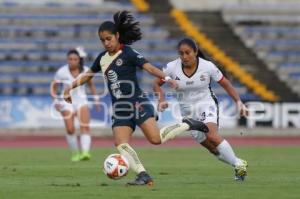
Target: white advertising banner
39, 112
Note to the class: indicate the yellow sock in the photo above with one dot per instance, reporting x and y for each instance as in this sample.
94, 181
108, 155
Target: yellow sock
169, 132
132, 157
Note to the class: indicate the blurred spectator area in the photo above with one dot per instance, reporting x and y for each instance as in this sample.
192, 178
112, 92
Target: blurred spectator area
34, 40
272, 31
35, 37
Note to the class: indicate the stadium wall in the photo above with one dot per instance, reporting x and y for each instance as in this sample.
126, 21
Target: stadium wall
38, 112
216, 5
52, 2
36, 115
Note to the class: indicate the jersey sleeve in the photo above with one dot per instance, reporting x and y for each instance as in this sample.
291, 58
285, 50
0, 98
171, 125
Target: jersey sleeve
215, 73
95, 68
58, 76
137, 59
85, 69
167, 70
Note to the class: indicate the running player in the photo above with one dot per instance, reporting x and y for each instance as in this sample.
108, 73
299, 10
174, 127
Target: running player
193, 74
119, 63
65, 76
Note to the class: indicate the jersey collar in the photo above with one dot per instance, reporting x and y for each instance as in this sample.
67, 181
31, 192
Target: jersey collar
189, 76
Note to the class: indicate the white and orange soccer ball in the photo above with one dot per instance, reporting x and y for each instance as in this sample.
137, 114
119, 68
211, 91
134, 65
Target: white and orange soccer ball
116, 166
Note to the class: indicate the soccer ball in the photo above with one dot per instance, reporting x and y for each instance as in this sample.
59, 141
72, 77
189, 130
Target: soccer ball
115, 166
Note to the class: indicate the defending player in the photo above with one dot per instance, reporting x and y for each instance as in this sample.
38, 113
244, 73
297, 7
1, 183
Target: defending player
119, 63
193, 74
65, 76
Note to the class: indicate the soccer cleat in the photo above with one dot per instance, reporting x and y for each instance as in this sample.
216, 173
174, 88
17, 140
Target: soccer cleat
142, 178
241, 171
75, 157
195, 125
85, 156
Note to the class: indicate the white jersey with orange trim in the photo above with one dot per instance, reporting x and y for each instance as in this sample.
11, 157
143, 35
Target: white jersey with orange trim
195, 97
196, 87
78, 95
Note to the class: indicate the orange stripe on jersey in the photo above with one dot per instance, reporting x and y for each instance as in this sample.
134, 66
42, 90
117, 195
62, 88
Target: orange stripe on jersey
221, 79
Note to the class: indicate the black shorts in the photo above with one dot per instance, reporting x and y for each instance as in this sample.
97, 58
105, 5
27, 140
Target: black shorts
132, 113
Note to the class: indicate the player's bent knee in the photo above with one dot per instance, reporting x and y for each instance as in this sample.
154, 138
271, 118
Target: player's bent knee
71, 131
215, 141
211, 147
155, 141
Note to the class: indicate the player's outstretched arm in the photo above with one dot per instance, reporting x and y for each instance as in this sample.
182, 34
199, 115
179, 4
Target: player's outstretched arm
154, 71
160, 74
162, 103
53, 93
225, 83
82, 79
94, 93
53, 89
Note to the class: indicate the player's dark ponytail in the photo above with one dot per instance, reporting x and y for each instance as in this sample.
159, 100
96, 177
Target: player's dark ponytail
126, 25
81, 60
193, 45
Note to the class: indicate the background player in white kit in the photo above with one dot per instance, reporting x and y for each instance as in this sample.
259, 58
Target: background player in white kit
194, 74
79, 107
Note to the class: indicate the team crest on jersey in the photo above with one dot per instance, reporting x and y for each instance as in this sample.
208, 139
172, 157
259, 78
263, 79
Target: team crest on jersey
202, 78
119, 62
177, 78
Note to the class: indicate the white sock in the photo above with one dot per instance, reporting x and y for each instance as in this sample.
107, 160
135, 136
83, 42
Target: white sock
85, 142
226, 154
72, 142
132, 157
170, 132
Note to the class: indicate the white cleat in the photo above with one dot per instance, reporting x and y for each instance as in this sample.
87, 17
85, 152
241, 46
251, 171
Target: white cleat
241, 171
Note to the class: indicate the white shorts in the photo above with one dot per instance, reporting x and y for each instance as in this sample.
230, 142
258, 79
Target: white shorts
65, 106
206, 113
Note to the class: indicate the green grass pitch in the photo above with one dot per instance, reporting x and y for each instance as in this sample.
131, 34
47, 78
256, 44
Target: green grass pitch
274, 172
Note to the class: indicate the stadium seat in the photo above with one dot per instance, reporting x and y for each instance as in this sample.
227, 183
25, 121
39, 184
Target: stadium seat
34, 42
273, 33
